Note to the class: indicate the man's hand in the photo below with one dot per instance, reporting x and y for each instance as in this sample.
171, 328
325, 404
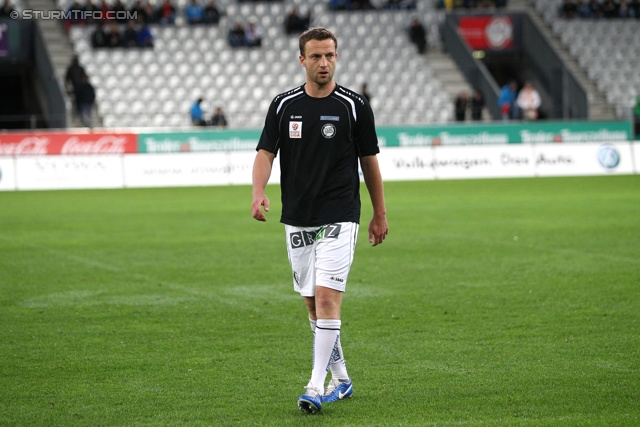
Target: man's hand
256, 207
378, 230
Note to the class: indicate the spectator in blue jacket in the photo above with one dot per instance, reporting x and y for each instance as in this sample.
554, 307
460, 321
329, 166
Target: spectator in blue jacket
197, 113
507, 101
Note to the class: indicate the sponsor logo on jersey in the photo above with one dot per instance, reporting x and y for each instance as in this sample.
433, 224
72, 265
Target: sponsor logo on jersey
328, 131
332, 118
295, 129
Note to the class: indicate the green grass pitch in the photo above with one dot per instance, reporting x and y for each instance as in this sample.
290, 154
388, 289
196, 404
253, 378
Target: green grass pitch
493, 302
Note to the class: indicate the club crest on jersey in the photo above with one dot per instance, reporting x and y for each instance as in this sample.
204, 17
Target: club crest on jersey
328, 130
295, 129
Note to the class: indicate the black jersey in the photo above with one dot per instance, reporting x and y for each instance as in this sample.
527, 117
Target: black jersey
319, 141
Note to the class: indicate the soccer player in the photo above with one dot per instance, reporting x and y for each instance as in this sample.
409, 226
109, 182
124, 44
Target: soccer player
321, 130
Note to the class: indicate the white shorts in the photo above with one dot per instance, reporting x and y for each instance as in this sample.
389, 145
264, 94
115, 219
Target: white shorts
321, 256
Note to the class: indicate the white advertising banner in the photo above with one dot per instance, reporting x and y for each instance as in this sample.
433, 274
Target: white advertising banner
406, 164
7, 174
635, 148
490, 161
191, 169
583, 159
68, 172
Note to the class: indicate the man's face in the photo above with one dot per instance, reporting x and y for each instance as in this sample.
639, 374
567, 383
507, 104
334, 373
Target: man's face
320, 61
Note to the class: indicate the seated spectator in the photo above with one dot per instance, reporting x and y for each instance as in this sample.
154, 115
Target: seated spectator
6, 9
197, 114
119, 11
252, 36
114, 38
583, 9
130, 35
100, 37
569, 9
138, 11
401, 4
166, 13
150, 15
294, 23
212, 14
236, 35
624, 9
340, 4
90, 10
145, 38
418, 35
194, 13
218, 119
104, 10
595, 10
74, 12
609, 9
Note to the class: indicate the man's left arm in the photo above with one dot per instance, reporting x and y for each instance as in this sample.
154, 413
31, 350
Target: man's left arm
378, 226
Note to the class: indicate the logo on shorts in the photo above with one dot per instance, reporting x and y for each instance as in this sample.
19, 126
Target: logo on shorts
328, 131
295, 129
300, 239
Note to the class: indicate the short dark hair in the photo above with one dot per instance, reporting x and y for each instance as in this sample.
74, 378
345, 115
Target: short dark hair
316, 33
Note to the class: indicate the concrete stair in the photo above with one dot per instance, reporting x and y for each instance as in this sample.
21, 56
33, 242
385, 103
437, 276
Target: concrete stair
60, 48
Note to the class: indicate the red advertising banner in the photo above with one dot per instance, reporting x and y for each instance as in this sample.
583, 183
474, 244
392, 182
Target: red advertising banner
487, 32
43, 143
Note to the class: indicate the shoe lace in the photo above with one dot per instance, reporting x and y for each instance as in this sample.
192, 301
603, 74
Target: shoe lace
312, 391
332, 386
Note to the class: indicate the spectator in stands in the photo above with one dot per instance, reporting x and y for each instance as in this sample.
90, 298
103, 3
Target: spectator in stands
150, 15
418, 35
340, 4
507, 101
609, 9
145, 38
130, 35
365, 92
212, 13
294, 23
461, 104
218, 118
85, 97
236, 35
90, 11
400, 4
104, 10
529, 102
73, 76
166, 13
5, 11
624, 9
583, 9
477, 105
194, 13
138, 11
635, 8
115, 37
119, 11
100, 37
74, 12
197, 113
252, 35
595, 10
569, 9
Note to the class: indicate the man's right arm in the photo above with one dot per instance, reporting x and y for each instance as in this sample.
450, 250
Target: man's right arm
261, 172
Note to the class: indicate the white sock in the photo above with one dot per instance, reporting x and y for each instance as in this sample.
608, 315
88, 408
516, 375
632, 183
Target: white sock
338, 365
327, 335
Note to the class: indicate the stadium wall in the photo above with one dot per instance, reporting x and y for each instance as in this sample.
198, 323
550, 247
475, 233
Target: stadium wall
107, 159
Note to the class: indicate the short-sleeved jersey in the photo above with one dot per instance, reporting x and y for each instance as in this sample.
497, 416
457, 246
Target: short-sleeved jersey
319, 141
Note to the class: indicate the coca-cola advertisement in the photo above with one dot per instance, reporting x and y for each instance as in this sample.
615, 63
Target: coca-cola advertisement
42, 143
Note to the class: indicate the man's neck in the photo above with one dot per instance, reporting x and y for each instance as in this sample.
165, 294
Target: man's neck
319, 91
